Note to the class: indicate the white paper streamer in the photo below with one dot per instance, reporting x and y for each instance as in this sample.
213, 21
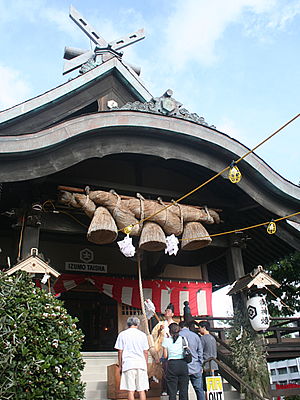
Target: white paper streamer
45, 278
172, 245
239, 337
126, 247
149, 308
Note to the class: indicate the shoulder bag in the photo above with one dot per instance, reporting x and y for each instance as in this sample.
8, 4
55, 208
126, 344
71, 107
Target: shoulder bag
187, 355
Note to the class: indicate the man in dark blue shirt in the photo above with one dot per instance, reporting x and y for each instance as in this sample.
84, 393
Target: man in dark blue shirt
195, 367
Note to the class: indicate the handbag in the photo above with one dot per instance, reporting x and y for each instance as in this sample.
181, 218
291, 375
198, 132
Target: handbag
187, 355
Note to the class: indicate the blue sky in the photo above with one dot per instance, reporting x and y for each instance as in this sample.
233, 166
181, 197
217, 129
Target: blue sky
234, 62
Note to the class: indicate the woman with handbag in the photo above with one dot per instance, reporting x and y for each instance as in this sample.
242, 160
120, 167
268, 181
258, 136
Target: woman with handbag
177, 372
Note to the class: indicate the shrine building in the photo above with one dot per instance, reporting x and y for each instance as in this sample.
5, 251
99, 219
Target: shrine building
75, 162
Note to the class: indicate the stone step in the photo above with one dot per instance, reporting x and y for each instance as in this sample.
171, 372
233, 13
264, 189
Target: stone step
96, 385
95, 394
227, 386
230, 393
98, 362
98, 390
95, 376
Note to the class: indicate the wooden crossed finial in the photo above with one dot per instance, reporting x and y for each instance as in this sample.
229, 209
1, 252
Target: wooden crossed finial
77, 57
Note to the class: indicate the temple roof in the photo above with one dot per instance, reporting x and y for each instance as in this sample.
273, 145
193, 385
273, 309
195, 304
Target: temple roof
110, 79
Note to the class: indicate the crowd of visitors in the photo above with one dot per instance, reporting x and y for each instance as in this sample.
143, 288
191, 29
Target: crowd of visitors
170, 339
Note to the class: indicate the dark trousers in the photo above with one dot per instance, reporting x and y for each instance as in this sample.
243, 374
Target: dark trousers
177, 378
164, 385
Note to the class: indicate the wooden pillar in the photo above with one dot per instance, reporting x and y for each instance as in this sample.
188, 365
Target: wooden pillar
204, 271
31, 233
236, 270
30, 239
235, 264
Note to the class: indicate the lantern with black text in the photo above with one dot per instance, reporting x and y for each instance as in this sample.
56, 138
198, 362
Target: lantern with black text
258, 313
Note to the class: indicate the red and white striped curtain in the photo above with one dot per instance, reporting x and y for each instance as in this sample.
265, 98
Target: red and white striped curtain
161, 292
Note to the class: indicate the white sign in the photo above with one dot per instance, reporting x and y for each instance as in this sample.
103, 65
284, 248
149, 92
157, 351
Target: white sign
214, 388
83, 267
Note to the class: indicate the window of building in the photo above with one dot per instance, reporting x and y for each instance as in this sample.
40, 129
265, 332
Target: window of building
128, 310
273, 372
282, 382
282, 371
297, 381
293, 369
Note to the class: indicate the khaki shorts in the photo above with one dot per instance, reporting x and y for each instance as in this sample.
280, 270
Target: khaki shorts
134, 379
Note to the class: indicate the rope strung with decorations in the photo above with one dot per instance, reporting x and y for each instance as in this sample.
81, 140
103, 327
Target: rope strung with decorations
234, 175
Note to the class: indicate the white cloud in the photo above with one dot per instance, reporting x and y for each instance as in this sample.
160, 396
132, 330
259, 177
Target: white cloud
264, 25
35, 11
60, 19
228, 127
131, 19
196, 25
13, 89
11, 11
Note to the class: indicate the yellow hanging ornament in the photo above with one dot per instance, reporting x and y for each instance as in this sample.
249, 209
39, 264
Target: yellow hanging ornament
128, 229
271, 229
234, 174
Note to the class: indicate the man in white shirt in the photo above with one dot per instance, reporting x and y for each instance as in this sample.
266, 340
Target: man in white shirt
132, 346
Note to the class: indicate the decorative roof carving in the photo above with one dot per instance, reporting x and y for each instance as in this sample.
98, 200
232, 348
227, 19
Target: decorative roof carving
165, 105
98, 57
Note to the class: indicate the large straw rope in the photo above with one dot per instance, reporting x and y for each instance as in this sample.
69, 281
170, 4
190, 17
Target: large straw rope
156, 366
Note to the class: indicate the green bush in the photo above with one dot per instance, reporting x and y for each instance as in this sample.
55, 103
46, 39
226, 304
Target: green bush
248, 353
39, 344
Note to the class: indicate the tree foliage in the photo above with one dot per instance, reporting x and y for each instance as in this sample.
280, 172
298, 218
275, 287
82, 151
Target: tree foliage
39, 344
287, 273
248, 354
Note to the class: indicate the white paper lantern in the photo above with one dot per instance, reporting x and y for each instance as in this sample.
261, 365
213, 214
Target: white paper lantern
258, 313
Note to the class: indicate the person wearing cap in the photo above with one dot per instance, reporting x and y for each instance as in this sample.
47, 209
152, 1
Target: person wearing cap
159, 333
132, 345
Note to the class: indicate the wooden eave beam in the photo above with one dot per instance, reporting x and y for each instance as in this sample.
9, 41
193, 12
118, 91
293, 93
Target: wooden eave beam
287, 237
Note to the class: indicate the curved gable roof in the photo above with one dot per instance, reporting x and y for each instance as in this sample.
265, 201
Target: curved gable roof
97, 135
59, 103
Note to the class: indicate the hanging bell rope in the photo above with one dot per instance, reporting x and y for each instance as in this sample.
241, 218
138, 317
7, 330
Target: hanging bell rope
156, 370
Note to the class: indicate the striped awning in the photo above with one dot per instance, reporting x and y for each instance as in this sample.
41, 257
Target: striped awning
161, 292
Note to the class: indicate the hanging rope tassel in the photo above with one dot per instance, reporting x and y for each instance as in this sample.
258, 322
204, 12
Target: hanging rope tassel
156, 370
